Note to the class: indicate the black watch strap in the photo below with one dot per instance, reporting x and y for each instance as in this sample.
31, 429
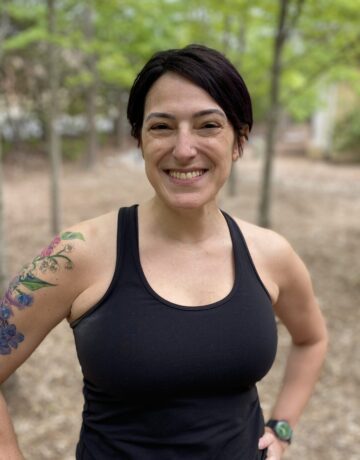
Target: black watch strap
281, 429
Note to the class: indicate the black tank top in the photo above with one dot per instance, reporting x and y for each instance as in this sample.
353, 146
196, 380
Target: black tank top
168, 382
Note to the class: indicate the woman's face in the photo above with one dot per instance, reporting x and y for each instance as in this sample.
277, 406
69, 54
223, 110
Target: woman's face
187, 142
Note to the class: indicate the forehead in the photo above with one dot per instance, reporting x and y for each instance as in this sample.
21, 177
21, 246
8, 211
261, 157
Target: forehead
173, 92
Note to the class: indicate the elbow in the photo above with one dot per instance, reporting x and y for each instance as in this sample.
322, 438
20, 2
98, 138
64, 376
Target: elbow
318, 340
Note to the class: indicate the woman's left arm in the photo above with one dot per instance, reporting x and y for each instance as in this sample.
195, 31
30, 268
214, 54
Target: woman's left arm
299, 311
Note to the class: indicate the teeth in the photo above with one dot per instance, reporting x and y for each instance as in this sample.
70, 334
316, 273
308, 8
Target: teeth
187, 175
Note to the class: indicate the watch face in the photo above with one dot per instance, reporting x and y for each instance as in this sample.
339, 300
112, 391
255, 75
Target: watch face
283, 430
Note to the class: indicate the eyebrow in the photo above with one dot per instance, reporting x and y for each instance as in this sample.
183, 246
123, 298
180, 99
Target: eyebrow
201, 113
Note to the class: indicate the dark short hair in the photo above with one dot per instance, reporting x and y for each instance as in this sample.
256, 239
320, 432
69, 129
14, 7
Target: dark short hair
206, 68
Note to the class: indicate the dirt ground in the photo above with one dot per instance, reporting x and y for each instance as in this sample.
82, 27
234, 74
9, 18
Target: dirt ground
316, 206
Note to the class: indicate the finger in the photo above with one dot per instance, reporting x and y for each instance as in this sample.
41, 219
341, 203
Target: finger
266, 440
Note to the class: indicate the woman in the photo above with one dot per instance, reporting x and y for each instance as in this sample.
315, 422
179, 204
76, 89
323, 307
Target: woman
172, 302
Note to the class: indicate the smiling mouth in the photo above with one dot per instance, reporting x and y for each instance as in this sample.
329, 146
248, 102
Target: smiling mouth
182, 175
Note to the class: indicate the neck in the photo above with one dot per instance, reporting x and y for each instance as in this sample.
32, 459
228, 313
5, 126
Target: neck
186, 226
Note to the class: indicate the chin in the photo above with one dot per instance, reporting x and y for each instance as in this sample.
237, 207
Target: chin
188, 202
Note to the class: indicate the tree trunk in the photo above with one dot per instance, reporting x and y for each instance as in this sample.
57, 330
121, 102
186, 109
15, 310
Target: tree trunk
282, 34
273, 116
91, 93
3, 264
234, 174
54, 138
122, 127
232, 181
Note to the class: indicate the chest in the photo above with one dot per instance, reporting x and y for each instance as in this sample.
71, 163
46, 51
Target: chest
189, 276
136, 344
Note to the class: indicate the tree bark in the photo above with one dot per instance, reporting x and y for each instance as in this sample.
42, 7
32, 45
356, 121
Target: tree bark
91, 93
53, 109
273, 116
121, 127
233, 178
234, 174
284, 28
3, 263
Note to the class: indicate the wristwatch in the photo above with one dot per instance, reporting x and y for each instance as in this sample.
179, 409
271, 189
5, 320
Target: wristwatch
281, 429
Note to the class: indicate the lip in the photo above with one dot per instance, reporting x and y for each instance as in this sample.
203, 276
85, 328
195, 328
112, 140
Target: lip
185, 180
185, 170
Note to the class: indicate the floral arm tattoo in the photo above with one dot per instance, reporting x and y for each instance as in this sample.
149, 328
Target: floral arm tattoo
19, 293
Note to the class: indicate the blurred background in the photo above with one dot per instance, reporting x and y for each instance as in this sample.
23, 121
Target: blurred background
66, 68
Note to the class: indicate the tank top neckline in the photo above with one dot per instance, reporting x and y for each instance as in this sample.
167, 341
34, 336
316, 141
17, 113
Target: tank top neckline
218, 303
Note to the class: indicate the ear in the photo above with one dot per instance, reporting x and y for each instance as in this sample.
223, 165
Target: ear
240, 142
236, 151
140, 147
238, 147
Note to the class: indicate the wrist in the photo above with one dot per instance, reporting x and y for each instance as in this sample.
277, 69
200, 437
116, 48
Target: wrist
282, 430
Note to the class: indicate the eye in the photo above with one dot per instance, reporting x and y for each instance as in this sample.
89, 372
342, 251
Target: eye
159, 126
210, 125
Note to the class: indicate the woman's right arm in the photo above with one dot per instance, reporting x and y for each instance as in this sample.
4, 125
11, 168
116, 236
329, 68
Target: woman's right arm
37, 299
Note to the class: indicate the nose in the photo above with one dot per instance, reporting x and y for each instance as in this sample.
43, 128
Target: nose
184, 148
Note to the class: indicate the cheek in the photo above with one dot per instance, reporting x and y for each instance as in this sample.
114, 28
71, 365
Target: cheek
154, 150
149, 173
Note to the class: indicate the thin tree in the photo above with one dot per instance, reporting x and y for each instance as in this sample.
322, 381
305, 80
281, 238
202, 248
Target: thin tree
225, 48
233, 179
121, 126
3, 265
53, 110
3, 277
286, 22
91, 93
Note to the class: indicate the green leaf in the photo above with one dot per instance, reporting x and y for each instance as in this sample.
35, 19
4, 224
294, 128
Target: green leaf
33, 283
25, 39
72, 236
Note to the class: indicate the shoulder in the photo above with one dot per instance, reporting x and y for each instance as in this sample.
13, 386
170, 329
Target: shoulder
95, 228
92, 241
261, 236
271, 247
70, 259
73, 253
276, 257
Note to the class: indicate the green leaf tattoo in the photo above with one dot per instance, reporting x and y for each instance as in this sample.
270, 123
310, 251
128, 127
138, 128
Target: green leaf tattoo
52, 258
72, 236
33, 283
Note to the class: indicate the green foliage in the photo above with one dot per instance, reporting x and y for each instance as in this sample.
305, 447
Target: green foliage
347, 136
325, 42
32, 146
73, 148
24, 16
25, 39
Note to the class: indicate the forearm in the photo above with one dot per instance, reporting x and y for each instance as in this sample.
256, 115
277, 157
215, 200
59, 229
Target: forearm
301, 373
9, 449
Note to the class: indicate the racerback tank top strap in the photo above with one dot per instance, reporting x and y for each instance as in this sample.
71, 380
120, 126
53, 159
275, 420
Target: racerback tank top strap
242, 254
129, 234
128, 265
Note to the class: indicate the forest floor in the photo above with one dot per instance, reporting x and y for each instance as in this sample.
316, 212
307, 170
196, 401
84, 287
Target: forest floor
316, 206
